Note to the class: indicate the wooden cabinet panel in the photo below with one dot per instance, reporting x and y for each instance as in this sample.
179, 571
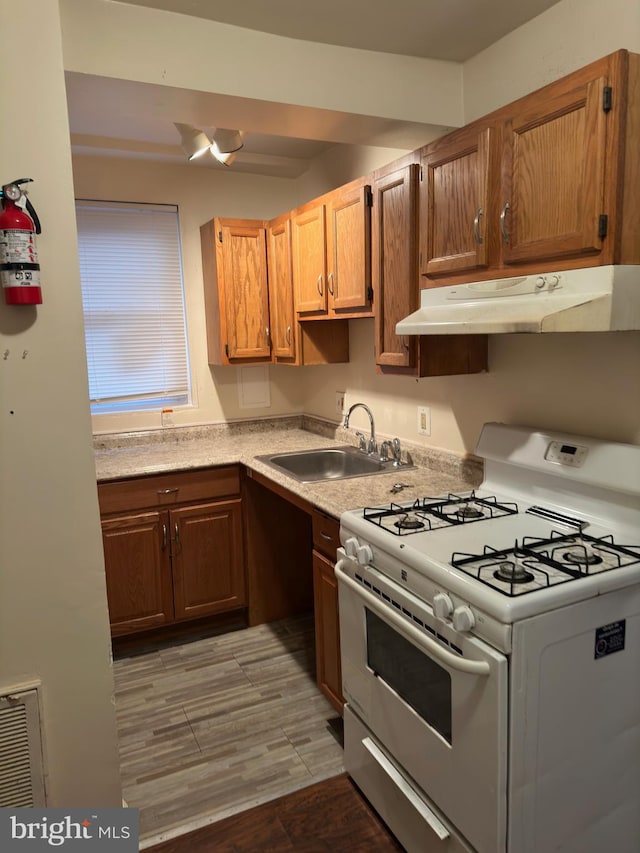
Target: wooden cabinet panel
325, 595
554, 168
168, 489
234, 261
349, 248
309, 258
283, 325
207, 556
326, 534
395, 263
244, 262
139, 590
456, 176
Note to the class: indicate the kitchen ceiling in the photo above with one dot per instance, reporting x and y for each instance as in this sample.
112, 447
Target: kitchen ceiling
452, 30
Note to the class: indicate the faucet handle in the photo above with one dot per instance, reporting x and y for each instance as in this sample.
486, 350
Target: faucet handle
372, 447
384, 451
362, 442
397, 456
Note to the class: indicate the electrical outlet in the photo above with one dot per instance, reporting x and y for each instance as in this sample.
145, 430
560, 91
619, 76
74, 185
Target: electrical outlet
340, 395
166, 418
424, 420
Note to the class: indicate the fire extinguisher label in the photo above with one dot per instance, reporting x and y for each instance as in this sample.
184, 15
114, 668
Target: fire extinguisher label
17, 246
20, 277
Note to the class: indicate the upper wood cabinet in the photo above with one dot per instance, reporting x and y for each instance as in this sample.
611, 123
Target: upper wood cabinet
234, 260
331, 238
548, 182
283, 321
396, 285
457, 172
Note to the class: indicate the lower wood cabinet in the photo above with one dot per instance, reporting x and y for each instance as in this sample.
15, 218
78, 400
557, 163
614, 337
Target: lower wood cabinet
325, 597
181, 559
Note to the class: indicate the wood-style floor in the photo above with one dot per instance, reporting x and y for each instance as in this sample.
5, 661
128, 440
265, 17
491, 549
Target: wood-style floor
219, 725
327, 816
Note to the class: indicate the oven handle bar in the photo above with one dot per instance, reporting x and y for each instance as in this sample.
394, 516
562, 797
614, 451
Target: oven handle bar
406, 790
474, 667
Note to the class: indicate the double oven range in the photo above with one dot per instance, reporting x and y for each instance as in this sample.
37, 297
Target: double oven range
490, 648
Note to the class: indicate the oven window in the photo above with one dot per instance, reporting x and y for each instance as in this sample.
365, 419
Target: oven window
420, 682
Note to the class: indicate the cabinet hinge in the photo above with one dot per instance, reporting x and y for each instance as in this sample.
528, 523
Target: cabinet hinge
220, 236
370, 293
368, 197
226, 350
607, 99
603, 223
421, 173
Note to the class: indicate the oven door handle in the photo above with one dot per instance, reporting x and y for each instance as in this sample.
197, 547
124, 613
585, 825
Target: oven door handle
406, 790
474, 667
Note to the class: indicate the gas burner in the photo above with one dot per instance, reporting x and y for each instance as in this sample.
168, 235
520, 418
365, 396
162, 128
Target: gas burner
468, 511
409, 522
580, 556
513, 572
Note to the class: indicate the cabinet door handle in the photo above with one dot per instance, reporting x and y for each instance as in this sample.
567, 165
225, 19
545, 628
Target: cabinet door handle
177, 533
288, 335
330, 283
164, 537
168, 491
326, 536
503, 217
268, 334
319, 284
476, 226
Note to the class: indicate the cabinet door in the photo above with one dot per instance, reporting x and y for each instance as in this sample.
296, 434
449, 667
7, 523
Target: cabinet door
349, 248
242, 267
325, 597
554, 173
395, 263
457, 175
309, 259
281, 289
138, 571
208, 564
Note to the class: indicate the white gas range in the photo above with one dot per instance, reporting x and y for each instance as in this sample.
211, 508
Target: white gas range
491, 651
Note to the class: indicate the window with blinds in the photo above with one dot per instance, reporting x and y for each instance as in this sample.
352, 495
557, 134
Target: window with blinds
133, 299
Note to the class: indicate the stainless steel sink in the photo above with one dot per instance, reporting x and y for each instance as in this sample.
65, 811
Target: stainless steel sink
328, 463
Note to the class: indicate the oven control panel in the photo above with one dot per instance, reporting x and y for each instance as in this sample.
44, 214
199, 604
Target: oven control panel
562, 453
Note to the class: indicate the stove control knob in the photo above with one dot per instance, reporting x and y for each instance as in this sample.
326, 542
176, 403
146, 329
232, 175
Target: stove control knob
463, 619
364, 555
351, 546
442, 605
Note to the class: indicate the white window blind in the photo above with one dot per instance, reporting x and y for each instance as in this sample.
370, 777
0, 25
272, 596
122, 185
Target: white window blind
133, 298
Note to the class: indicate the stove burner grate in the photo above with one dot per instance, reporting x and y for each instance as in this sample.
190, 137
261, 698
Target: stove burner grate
433, 513
541, 563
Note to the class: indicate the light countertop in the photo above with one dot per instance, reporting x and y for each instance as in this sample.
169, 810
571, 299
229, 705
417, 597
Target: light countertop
184, 449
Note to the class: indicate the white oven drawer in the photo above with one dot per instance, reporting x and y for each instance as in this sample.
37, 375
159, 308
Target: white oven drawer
417, 825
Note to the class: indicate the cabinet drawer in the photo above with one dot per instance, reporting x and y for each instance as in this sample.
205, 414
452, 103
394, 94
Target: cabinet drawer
326, 534
168, 489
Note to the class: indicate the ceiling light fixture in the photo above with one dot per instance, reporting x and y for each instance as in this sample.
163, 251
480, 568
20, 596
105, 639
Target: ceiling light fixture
194, 141
226, 144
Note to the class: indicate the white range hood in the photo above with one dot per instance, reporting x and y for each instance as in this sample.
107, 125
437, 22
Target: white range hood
595, 299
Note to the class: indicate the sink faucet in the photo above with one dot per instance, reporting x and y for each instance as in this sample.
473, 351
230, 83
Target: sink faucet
371, 447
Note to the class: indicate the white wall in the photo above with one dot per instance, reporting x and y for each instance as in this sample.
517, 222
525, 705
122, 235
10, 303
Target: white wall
53, 611
566, 37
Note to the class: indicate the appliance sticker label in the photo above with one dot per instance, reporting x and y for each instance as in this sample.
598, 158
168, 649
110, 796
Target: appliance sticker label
609, 639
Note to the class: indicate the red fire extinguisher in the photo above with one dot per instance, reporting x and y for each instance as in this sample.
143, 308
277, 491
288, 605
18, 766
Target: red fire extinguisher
19, 267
